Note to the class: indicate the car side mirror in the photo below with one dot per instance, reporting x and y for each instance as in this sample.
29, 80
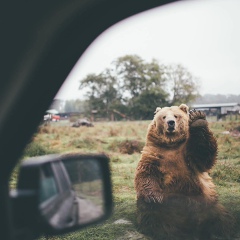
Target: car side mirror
61, 193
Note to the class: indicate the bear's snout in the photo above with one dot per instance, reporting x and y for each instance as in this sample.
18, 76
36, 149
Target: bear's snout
171, 125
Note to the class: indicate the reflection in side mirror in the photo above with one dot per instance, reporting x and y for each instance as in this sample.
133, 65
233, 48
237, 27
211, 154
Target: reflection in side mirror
70, 191
87, 183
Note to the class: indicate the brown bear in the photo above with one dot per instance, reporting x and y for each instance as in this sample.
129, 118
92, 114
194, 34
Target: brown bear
176, 198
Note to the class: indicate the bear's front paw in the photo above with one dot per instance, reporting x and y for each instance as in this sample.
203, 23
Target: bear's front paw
197, 118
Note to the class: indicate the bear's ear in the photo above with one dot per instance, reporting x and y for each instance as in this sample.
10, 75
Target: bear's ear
157, 109
184, 108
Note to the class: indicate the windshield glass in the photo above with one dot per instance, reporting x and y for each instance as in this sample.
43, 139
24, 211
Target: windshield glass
185, 55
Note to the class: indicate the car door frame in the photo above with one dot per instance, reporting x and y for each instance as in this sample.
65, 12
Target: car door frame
41, 41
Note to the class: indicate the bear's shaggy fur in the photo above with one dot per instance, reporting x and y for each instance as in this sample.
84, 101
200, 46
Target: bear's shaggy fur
176, 198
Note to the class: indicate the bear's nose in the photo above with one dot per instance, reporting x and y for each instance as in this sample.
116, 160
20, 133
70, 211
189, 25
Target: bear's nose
171, 124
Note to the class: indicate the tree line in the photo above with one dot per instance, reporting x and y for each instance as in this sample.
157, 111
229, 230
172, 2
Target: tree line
135, 87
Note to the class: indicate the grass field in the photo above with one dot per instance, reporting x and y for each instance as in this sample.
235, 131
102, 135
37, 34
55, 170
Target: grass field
122, 142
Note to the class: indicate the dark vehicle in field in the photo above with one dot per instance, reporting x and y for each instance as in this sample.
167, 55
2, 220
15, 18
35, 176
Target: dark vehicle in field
82, 122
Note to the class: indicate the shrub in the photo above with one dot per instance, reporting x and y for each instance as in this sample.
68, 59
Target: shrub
127, 146
131, 146
36, 149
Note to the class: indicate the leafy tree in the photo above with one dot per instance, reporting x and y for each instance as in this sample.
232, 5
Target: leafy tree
145, 104
137, 76
130, 72
182, 83
102, 92
143, 85
155, 76
135, 87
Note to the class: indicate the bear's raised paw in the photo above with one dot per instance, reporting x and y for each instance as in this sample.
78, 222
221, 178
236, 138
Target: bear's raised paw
197, 118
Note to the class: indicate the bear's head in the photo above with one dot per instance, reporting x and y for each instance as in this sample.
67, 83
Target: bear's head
170, 125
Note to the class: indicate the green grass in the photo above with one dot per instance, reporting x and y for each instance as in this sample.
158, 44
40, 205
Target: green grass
123, 141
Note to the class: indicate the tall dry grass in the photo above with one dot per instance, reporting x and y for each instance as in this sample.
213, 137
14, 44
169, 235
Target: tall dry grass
122, 142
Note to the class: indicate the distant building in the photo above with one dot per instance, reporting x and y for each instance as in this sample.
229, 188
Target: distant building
218, 109
221, 107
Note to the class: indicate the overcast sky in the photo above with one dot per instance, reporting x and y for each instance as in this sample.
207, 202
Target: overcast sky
203, 36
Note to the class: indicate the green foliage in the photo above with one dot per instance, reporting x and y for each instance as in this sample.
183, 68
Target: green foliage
144, 105
183, 85
135, 87
138, 76
102, 94
35, 149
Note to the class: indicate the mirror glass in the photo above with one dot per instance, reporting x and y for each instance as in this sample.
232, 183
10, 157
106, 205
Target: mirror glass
71, 192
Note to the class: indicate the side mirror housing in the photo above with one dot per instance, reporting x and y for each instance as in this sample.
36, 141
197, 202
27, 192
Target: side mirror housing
61, 193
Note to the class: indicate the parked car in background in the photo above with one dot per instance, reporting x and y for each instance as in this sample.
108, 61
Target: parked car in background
55, 118
51, 117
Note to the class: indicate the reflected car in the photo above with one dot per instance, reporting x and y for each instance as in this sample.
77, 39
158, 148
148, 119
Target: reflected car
58, 201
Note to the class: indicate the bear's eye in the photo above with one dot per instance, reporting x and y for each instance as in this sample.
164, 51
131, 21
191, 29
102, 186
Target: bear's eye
175, 116
164, 117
